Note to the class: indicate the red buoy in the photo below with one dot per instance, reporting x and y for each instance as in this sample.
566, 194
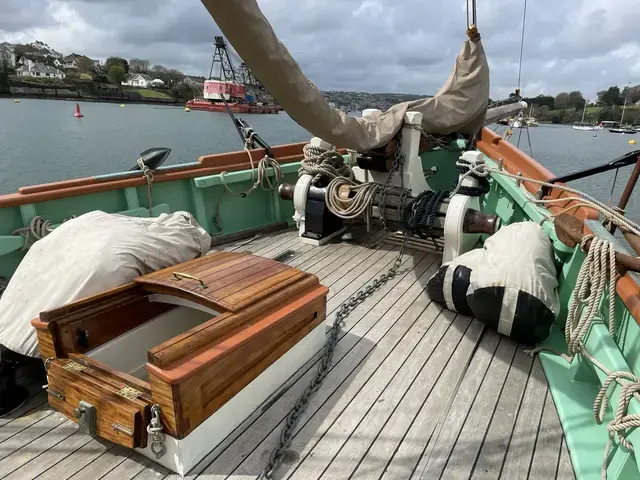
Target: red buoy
78, 114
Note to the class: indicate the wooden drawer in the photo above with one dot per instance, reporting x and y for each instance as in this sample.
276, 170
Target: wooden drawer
121, 415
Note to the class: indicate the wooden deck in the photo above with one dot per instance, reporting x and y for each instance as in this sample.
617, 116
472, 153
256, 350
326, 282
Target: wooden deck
415, 392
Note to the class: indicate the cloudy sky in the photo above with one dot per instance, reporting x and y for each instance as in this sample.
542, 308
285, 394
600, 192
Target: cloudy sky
404, 46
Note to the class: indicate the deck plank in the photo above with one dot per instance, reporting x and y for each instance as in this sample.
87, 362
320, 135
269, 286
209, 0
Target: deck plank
77, 460
548, 444
38, 446
462, 457
496, 442
565, 468
432, 463
425, 363
523, 438
102, 465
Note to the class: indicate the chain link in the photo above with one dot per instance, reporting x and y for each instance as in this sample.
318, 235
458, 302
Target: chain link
344, 310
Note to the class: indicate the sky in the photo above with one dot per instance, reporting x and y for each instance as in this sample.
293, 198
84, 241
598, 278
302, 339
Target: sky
406, 46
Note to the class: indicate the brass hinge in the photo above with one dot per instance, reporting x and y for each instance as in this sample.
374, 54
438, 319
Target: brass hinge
74, 367
129, 393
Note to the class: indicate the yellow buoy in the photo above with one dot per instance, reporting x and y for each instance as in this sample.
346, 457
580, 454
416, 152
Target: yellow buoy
17, 100
122, 105
187, 109
632, 142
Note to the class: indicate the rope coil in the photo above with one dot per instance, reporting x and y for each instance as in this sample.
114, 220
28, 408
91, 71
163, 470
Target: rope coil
321, 163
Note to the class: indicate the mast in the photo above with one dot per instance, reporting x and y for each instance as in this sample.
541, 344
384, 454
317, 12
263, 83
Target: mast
623, 108
584, 110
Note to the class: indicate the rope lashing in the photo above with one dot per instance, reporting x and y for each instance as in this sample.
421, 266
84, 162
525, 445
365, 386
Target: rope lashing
262, 179
421, 212
37, 229
147, 173
360, 204
323, 163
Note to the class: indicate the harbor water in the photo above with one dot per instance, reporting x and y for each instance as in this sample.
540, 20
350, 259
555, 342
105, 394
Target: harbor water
41, 141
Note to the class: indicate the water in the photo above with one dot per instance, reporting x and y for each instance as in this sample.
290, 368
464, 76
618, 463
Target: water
41, 141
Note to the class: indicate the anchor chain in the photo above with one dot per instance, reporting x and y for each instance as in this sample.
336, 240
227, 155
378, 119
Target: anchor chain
286, 435
155, 430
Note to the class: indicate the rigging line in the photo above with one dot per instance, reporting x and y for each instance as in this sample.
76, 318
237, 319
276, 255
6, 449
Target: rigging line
473, 14
524, 19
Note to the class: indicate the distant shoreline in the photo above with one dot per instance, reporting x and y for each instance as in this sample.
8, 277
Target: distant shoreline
147, 101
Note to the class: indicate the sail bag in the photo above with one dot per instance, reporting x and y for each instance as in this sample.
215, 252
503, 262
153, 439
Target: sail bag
510, 284
86, 256
459, 106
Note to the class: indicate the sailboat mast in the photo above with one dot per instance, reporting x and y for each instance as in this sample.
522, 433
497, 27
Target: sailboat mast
623, 108
584, 110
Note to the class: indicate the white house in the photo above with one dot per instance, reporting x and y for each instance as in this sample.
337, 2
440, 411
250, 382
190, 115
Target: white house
7, 52
36, 69
71, 61
156, 82
138, 80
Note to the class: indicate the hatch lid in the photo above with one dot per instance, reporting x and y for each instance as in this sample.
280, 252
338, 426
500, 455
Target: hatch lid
224, 281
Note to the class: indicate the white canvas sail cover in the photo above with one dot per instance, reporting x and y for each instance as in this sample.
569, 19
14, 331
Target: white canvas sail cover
459, 106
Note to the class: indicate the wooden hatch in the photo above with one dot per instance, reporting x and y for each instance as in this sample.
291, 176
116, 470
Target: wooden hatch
223, 281
194, 364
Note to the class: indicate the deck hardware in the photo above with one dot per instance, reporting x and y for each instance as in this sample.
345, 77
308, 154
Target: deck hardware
155, 430
74, 367
180, 276
47, 362
129, 393
58, 395
518, 180
85, 413
121, 428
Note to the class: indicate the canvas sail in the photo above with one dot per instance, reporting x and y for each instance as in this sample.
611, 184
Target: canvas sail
459, 106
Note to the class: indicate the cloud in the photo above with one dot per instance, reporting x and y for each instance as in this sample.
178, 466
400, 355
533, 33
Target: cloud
372, 45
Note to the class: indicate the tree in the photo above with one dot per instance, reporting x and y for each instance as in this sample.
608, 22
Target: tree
85, 77
541, 100
173, 77
562, 100
116, 74
576, 100
112, 61
85, 64
138, 65
159, 68
611, 96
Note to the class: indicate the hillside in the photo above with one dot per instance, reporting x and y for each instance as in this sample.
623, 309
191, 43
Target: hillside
358, 101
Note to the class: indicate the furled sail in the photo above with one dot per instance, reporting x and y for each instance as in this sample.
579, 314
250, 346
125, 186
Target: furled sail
459, 106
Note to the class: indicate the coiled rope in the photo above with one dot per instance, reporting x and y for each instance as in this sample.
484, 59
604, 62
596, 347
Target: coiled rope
37, 229
323, 163
262, 179
360, 204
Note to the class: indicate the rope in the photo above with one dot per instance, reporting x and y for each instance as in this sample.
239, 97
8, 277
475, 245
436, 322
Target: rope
147, 173
360, 204
262, 179
38, 229
422, 213
323, 163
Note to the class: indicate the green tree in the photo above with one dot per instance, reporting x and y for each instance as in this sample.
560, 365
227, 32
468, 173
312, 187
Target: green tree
4, 75
138, 65
111, 61
611, 96
116, 74
562, 100
576, 100
173, 77
85, 77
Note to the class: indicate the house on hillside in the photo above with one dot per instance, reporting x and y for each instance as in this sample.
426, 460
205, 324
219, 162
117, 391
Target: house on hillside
71, 61
156, 82
37, 69
194, 80
8, 53
141, 80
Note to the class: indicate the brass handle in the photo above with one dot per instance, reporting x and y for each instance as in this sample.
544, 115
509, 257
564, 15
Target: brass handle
180, 276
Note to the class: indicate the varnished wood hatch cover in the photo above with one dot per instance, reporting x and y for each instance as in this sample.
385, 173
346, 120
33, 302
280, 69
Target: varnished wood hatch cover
265, 308
224, 281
